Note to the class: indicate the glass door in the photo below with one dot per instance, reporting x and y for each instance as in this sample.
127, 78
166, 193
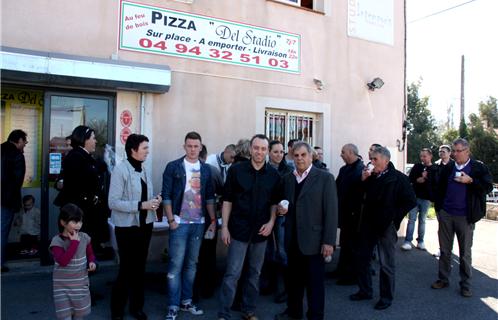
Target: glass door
65, 112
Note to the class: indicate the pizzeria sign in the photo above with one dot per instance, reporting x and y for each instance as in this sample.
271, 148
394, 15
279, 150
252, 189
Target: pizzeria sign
163, 31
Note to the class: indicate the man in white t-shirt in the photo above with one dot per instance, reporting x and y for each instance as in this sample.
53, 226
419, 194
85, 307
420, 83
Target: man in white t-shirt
223, 160
188, 201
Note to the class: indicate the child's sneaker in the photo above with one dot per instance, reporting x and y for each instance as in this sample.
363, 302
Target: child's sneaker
172, 314
192, 308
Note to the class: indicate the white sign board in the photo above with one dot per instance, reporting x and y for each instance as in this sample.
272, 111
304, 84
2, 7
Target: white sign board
158, 30
371, 20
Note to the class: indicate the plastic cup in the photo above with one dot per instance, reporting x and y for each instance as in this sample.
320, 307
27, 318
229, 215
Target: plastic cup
284, 204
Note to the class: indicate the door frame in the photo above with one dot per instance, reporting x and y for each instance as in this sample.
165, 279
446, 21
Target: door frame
45, 257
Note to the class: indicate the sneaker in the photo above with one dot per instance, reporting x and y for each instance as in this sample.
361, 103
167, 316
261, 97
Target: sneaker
192, 308
439, 284
407, 246
172, 314
421, 246
467, 293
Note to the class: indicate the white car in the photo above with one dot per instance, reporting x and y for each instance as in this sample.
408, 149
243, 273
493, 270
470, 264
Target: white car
492, 196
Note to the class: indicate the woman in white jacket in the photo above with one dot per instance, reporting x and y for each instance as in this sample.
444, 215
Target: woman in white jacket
133, 206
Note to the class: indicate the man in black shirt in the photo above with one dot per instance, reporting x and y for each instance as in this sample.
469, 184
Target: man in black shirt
249, 206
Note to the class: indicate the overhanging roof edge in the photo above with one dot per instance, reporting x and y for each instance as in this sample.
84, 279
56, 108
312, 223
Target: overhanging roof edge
138, 75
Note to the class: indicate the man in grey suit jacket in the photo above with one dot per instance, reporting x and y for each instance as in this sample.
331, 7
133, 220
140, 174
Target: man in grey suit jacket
310, 232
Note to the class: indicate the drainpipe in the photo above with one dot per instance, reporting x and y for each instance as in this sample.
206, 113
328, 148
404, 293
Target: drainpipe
142, 112
402, 144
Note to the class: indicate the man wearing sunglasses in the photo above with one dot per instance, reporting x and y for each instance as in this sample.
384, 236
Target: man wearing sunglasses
460, 203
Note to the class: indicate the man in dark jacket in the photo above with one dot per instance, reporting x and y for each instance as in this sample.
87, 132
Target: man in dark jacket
188, 200
13, 170
388, 196
460, 203
310, 233
422, 178
349, 199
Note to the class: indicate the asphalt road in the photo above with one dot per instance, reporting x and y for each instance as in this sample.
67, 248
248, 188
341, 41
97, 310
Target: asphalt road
26, 290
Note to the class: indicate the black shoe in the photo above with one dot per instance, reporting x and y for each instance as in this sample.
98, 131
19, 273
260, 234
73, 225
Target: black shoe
115, 317
381, 305
360, 296
139, 315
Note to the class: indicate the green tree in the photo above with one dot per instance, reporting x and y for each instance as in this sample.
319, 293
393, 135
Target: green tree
482, 137
489, 112
449, 136
422, 130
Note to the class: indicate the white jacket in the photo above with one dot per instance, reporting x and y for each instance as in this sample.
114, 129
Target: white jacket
125, 194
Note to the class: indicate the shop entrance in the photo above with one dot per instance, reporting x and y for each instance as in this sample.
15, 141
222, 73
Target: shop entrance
48, 117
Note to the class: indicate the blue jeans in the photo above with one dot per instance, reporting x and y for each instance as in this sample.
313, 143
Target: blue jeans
184, 244
7, 217
237, 252
279, 229
421, 209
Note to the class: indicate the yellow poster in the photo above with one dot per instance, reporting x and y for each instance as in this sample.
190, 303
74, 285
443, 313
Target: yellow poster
23, 109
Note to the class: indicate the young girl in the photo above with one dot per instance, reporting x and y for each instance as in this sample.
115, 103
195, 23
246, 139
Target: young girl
72, 251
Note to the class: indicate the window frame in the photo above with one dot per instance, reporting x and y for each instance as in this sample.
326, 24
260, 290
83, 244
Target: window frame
289, 117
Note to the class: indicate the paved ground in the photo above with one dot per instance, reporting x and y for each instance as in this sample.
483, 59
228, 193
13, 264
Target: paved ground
26, 292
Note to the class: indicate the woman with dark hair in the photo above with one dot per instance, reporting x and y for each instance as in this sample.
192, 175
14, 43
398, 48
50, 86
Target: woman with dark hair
133, 206
276, 155
81, 182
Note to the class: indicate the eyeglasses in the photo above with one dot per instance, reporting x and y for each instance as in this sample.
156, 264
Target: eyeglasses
458, 150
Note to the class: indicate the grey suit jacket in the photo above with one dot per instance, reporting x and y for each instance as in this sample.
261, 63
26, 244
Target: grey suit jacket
314, 214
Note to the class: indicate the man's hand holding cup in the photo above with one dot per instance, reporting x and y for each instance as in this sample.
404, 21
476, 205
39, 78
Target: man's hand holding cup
283, 207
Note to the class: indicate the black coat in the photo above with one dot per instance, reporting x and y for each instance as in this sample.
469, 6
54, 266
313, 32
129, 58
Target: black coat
13, 171
284, 168
313, 215
481, 185
425, 190
349, 192
81, 179
387, 199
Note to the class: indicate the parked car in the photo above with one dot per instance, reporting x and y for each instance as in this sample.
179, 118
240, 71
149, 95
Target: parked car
493, 195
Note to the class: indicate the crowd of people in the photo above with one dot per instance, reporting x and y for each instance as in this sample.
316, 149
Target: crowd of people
279, 219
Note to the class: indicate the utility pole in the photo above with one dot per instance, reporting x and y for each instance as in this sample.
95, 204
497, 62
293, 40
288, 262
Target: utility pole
462, 90
462, 130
